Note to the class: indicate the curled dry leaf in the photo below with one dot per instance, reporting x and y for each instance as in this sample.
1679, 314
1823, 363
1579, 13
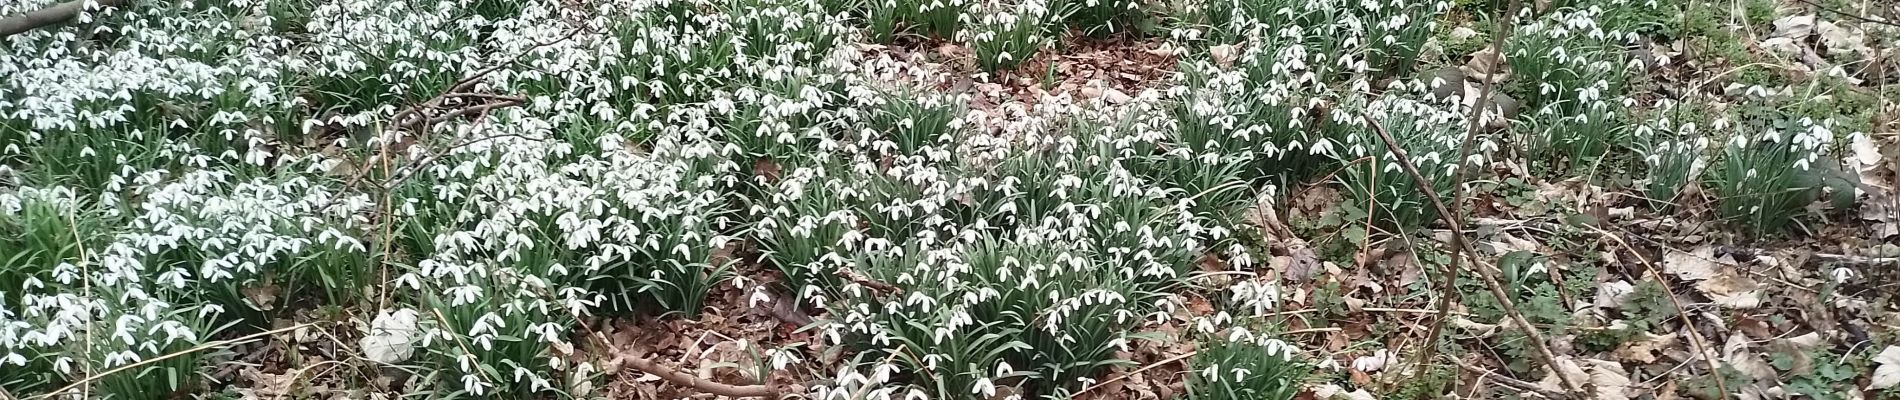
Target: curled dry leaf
261, 295
1334, 392
1739, 354
1843, 39
1223, 55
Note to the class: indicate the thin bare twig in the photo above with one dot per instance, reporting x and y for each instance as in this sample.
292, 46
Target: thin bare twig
691, 381
1850, 15
1486, 272
202, 347
1137, 371
1447, 287
1695, 336
1514, 383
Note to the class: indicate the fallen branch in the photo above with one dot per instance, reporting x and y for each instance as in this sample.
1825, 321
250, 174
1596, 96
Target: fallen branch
691, 381
418, 122
1460, 248
54, 15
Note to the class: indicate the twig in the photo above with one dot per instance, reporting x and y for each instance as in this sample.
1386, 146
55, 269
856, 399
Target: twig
1454, 216
465, 111
1485, 271
1849, 15
859, 278
1695, 336
53, 15
1514, 383
1137, 371
689, 380
207, 345
1847, 259
672, 375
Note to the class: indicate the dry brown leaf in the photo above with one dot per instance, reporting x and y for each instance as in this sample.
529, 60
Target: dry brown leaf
1717, 278
1643, 350
1794, 26
1223, 55
262, 296
1732, 291
1887, 370
1609, 379
1694, 265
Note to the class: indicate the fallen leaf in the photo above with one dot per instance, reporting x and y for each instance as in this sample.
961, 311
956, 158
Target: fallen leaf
1374, 362
1223, 55
1843, 40
264, 296
1887, 374
1609, 378
1643, 349
1484, 62
1613, 295
1739, 355
1794, 27
1732, 291
1694, 265
1334, 392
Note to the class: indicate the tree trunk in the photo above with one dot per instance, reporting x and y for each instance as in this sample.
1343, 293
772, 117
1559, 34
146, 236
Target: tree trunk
58, 13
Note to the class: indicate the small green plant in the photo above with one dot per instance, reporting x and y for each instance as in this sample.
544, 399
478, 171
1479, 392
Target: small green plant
1763, 182
1813, 375
1430, 137
1669, 145
1757, 185
913, 121
1105, 17
886, 20
1243, 367
1577, 141
1005, 33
